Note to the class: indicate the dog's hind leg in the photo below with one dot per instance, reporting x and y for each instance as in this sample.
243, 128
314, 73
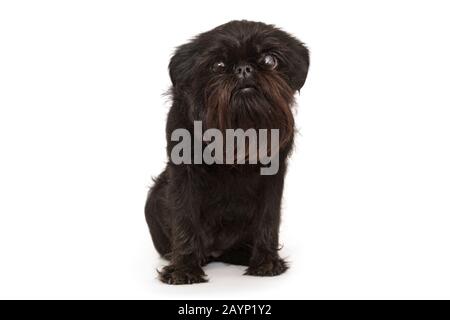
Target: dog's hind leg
155, 211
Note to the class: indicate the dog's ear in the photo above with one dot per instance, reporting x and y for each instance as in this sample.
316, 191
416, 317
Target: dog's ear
300, 64
181, 64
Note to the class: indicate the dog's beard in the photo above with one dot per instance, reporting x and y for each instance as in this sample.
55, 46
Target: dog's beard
266, 106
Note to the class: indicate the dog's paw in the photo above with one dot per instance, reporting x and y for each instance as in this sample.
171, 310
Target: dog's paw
172, 275
270, 268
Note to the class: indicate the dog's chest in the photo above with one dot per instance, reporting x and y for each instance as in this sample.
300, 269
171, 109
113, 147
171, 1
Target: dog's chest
229, 209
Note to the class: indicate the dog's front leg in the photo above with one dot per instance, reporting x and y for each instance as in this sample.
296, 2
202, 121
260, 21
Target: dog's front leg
187, 249
264, 260
186, 257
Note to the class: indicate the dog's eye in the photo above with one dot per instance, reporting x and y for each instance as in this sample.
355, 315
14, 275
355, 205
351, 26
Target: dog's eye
218, 66
269, 61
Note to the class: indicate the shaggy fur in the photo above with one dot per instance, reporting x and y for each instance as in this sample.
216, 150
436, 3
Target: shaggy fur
230, 213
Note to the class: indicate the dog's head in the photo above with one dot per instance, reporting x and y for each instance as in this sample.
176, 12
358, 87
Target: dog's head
241, 75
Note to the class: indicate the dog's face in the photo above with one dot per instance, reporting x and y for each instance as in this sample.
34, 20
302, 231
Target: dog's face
241, 75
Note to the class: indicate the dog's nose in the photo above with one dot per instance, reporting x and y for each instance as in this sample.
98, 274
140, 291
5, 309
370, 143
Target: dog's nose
243, 71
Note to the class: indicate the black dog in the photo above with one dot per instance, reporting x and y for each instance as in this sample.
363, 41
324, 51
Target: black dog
239, 75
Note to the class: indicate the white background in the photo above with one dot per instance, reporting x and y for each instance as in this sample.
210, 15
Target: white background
82, 115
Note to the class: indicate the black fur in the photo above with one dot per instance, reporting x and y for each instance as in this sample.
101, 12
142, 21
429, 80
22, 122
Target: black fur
230, 213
